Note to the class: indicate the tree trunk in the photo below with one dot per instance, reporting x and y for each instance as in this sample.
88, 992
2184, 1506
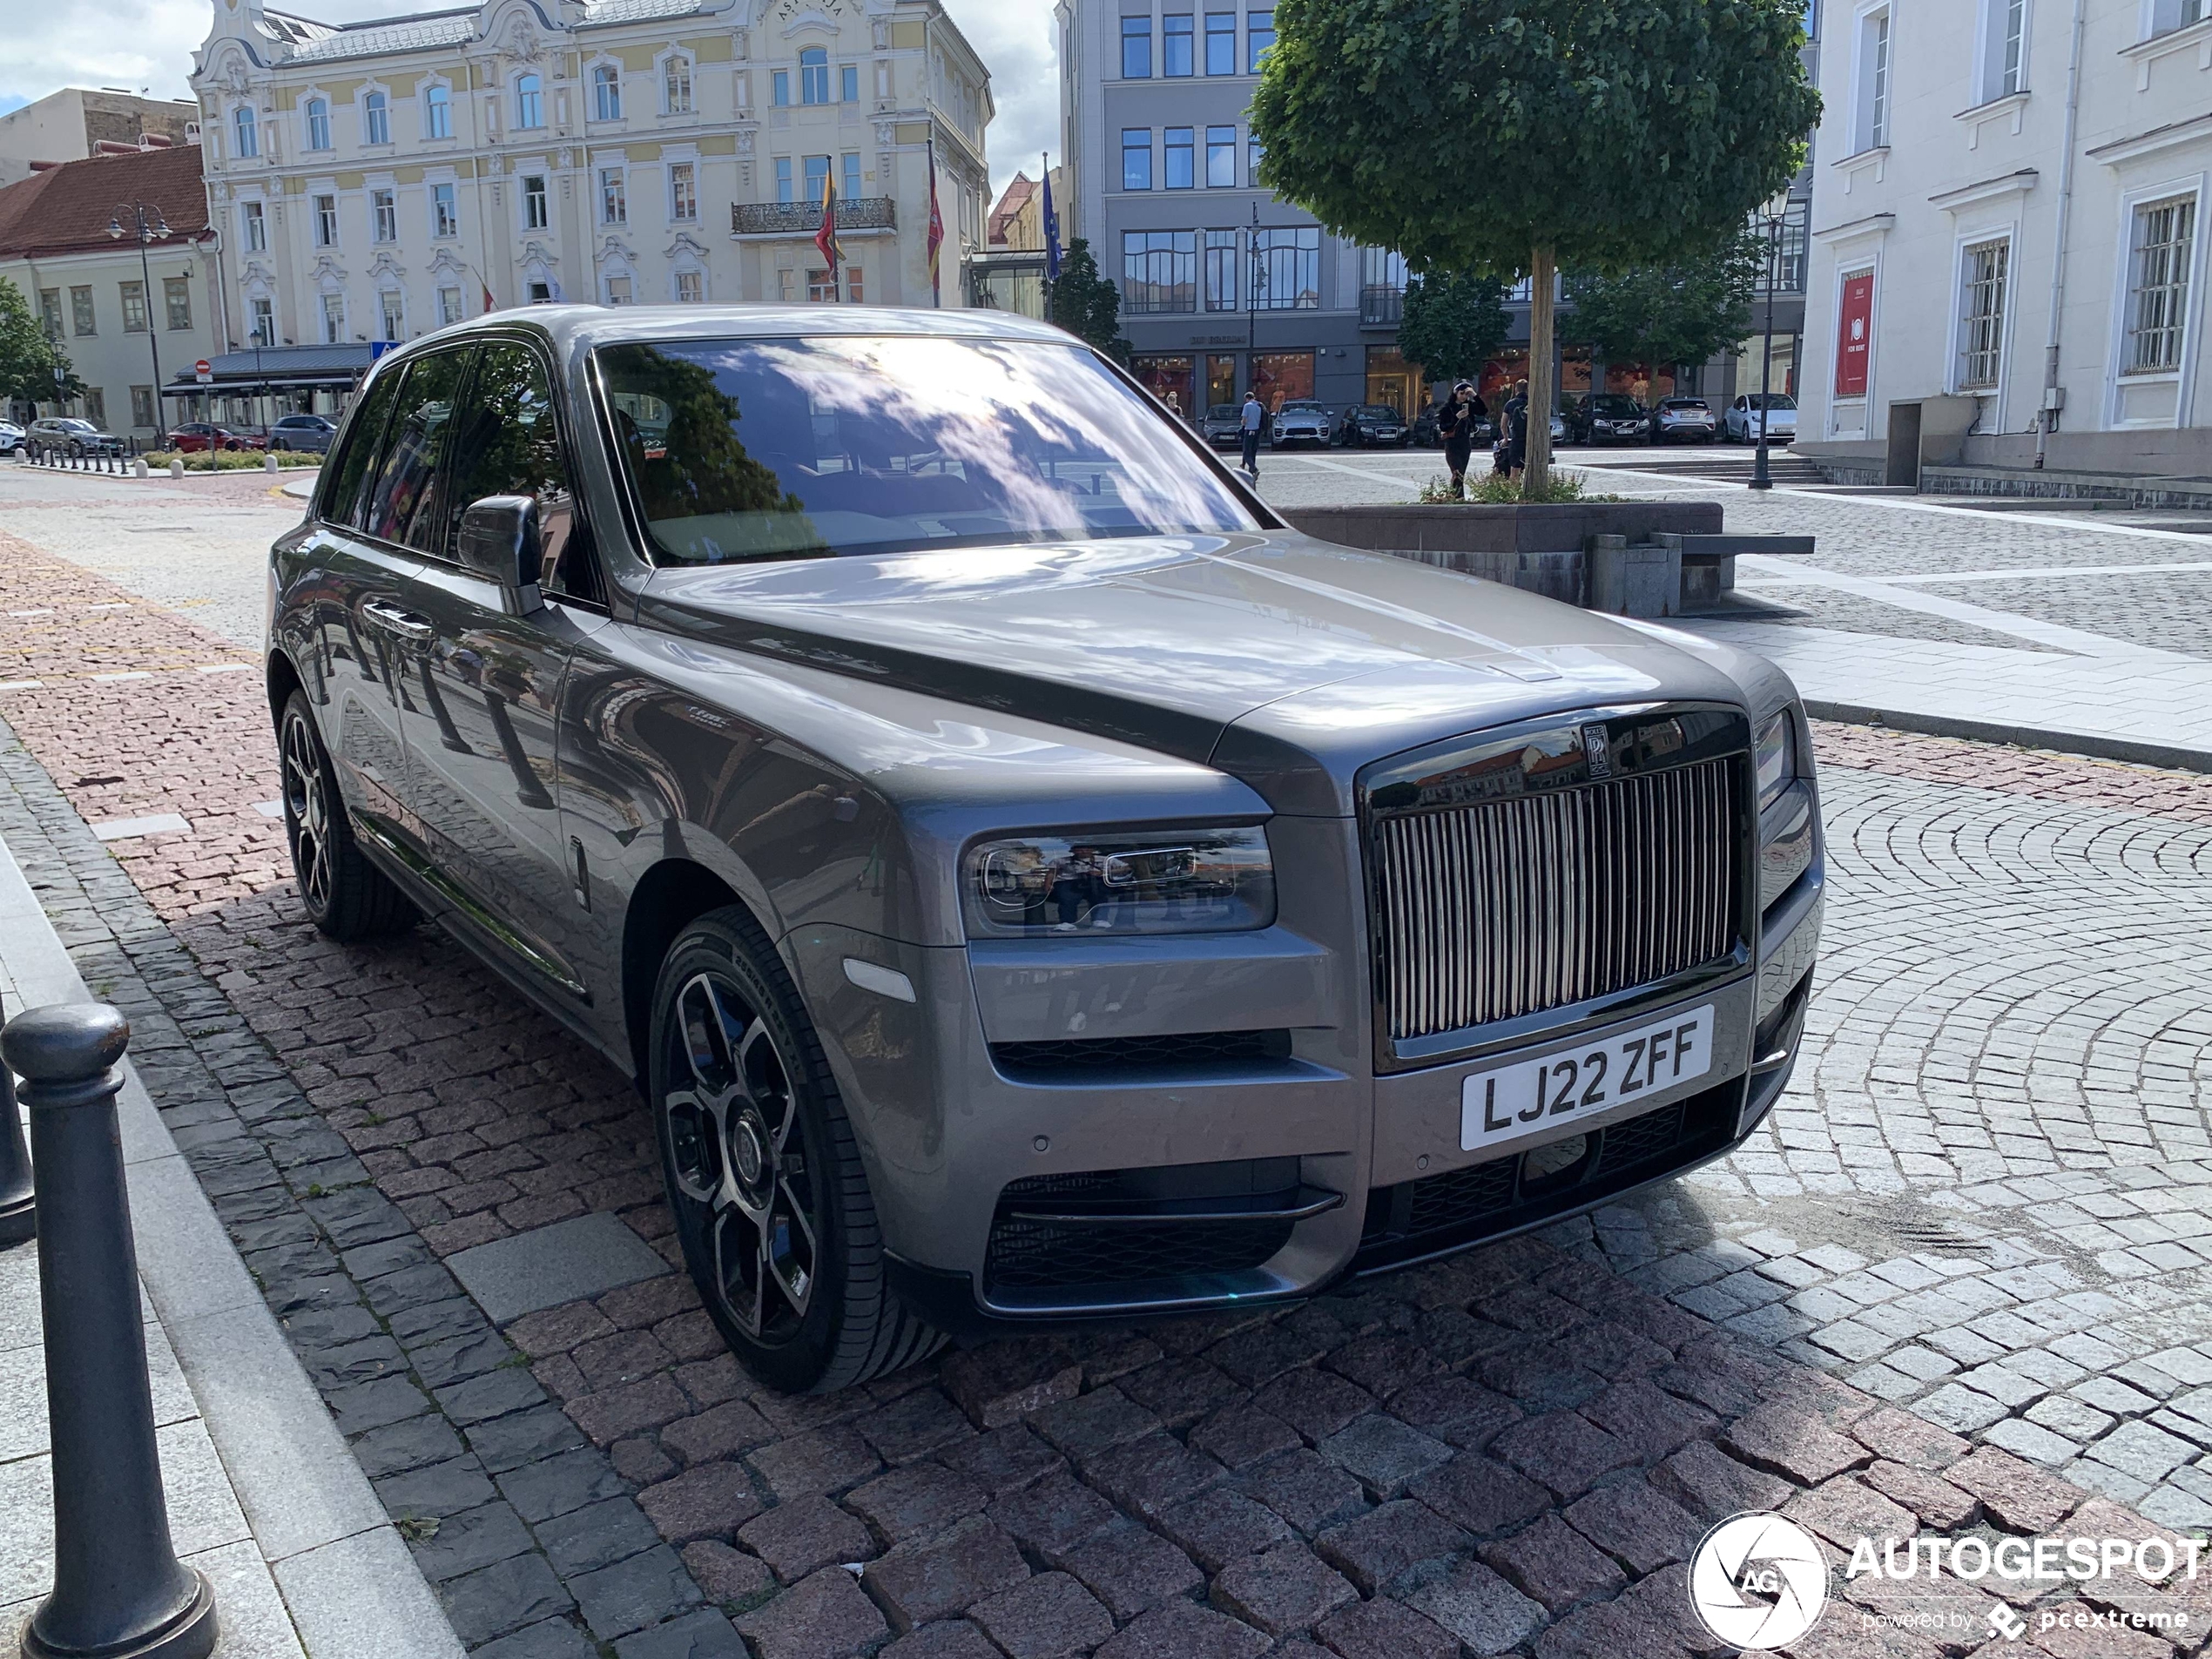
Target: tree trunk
1543, 270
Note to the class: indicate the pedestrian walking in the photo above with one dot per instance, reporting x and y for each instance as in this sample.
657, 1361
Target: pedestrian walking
1455, 423
1516, 432
1255, 418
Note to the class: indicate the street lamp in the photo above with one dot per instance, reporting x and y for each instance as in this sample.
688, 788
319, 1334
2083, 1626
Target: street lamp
1774, 211
147, 223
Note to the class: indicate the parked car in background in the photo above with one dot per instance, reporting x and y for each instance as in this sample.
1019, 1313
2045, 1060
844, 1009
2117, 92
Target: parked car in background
1425, 432
1299, 421
12, 438
195, 437
1608, 417
74, 437
1223, 425
1685, 420
1740, 424
309, 434
1052, 890
1373, 425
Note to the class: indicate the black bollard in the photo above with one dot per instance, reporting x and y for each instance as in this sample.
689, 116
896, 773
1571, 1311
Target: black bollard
19, 1210
120, 1590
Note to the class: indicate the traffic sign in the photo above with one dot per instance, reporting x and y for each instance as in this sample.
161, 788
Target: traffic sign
204, 370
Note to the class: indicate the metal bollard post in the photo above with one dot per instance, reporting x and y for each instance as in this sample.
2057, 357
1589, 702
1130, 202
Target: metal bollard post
120, 1590
18, 1210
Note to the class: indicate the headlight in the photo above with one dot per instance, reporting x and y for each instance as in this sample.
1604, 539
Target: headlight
1120, 881
1776, 755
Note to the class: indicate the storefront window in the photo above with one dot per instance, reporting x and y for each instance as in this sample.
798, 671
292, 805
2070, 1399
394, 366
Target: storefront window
1637, 380
1167, 378
1221, 379
1280, 376
1393, 381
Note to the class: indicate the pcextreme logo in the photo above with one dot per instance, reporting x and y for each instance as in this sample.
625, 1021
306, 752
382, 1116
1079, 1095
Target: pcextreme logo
1758, 1582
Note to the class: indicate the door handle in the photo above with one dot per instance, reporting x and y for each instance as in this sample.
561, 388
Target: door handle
392, 619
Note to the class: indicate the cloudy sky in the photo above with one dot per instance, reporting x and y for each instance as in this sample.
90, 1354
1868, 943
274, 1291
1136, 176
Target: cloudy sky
147, 46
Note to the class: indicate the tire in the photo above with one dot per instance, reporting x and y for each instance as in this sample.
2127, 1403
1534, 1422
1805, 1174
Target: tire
782, 1244
345, 896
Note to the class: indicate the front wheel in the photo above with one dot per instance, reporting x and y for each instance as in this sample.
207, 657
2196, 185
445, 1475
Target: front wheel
762, 1170
345, 896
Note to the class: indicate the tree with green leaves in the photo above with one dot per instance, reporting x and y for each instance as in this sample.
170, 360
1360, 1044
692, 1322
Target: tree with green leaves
1087, 303
1506, 138
1659, 315
1452, 324
29, 355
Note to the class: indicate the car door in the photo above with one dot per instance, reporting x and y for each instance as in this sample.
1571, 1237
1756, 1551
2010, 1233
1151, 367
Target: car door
481, 747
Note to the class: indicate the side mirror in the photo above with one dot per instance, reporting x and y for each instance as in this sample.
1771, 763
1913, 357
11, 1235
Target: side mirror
500, 540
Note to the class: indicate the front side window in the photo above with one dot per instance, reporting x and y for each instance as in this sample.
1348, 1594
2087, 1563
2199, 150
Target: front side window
253, 227
176, 299
508, 443
1221, 42
1136, 49
1981, 322
1286, 269
376, 119
813, 76
1259, 34
246, 139
1222, 267
445, 216
530, 101
1221, 158
682, 192
80, 310
2158, 267
401, 501
743, 451
676, 85
352, 471
1159, 271
384, 213
1177, 57
437, 113
535, 214
1136, 157
135, 321
326, 208
614, 204
318, 123
606, 93
1178, 156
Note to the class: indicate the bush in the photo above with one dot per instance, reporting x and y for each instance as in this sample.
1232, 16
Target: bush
1495, 489
228, 460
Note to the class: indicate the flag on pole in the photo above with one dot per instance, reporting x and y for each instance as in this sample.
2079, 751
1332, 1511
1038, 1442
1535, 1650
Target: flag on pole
936, 231
825, 238
1051, 227
490, 305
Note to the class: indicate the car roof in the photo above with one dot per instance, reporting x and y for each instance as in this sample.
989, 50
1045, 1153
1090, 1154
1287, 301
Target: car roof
590, 326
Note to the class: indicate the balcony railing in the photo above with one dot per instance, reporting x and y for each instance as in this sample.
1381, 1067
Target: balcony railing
803, 219
1381, 304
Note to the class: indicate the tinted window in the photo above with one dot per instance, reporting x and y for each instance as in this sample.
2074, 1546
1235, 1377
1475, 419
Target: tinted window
796, 448
507, 445
402, 506
343, 499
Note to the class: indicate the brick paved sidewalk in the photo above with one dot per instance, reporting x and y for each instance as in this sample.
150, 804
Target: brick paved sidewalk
1511, 1452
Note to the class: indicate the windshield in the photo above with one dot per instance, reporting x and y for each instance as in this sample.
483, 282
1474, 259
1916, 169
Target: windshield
1301, 408
750, 449
1223, 412
1614, 403
1771, 400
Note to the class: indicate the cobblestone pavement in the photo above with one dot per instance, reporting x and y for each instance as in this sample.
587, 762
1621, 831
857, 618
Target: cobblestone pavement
1957, 1284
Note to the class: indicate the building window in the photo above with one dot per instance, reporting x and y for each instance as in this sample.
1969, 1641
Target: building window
779, 88
49, 312
683, 190
617, 290
849, 163
818, 172
1981, 315
445, 218
135, 321
1177, 56
535, 214
334, 319
1254, 150
1286, 269
688, 291
1873, 81
2158, 284
253, 230
821, 290
1221, 158
854, 283
1179, 147
449, 307
264, 328
318, 123
1136, 49
849, 83
1221, 270
326, 211
813, 76
376, 119
1159, 271
247, 139
96, 405
1136, 157
176, 299
540, 294
1382, 286
1259, 34
785, 191
1221, 42
142, 406
384, 215
676, 85
614, 204
437, 113
2169, 15
529, 102
788, 286
606, 93
2004, 48
392, 309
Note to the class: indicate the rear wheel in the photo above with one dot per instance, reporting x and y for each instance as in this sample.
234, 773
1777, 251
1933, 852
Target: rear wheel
345, 895
762, 1170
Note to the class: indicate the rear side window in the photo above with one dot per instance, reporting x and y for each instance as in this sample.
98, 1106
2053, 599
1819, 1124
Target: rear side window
402, 504
343, 499
509, 445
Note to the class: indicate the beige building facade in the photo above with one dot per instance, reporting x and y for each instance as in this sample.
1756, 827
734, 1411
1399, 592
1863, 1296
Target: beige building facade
376, 181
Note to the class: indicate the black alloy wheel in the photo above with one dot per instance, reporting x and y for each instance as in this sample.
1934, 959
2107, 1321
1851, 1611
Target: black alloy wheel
345, 896
762, 1170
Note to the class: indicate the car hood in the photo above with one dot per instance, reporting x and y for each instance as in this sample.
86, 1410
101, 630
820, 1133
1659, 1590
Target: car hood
1284, 660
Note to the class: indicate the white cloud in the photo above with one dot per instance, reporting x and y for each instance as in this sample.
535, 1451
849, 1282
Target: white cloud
148, 45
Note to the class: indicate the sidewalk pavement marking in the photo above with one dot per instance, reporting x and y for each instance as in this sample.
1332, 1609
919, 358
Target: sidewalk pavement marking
1357, 472
127, 674
117, 605
123, 829
32, 613
224, 668
2016, 573
269, 808
23, 686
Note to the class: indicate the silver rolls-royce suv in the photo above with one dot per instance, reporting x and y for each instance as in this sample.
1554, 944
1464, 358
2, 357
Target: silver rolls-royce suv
1028, 881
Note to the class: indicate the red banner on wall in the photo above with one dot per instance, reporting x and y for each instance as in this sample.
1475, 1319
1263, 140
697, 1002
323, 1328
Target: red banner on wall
1855, 335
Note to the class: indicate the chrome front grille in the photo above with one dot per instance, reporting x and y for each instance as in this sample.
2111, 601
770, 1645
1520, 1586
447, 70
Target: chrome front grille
1515, 905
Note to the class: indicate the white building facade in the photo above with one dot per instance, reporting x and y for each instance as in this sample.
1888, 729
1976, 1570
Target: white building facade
2005, 188
374, 182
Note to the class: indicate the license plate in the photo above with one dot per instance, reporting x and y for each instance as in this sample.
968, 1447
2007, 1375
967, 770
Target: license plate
1509, 1103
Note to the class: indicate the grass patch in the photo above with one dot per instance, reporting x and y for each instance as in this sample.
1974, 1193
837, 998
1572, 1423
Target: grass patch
230, 460
1495, 489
